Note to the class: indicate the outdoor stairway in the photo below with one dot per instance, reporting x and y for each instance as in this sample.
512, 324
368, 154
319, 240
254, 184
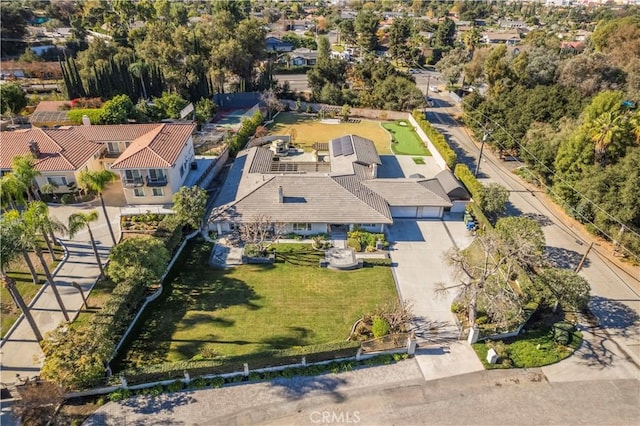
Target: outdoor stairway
339, 240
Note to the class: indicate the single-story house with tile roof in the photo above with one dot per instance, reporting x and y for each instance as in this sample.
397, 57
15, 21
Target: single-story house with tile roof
152, 160
340, 192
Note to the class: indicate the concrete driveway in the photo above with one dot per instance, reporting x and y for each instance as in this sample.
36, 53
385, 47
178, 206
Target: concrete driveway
417, 252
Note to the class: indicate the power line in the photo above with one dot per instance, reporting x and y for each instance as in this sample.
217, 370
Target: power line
555, 175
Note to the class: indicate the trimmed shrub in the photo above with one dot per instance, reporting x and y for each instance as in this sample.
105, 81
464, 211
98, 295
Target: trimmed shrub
95, 115
380, 327
472, 184
437, 139
354, 243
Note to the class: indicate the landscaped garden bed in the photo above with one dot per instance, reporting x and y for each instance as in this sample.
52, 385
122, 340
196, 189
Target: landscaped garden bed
252, 310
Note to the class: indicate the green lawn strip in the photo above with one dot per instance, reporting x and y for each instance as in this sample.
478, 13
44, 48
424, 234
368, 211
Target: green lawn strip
24, 283
407, 142
533, 349
253, 308
418, 160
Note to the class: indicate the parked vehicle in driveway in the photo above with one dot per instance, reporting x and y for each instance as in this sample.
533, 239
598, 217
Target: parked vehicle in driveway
434, 89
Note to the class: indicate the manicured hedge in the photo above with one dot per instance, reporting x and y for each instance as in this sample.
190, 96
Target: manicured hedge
437, 139
274, 358
94, 114
475, 188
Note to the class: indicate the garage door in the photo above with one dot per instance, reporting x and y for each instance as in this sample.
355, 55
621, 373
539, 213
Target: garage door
429, 211
404, 211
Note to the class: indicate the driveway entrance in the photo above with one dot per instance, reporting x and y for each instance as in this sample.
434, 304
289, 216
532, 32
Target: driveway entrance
417, 252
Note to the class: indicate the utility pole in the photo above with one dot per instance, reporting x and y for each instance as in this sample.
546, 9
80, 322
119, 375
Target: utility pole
484, 139
584, 258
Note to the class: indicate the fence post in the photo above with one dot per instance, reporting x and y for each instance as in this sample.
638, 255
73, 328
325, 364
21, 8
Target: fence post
123, 380
411, 345
474, 333
246, 369
187, 378
359, 354
304, 361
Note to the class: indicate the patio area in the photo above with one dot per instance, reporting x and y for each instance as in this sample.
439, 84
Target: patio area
341, 259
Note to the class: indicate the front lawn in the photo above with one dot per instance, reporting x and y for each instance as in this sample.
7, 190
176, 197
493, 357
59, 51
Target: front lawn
207, 312
405, 139
309, 130
536, 348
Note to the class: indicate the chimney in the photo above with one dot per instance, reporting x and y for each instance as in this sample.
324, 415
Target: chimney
280, 195
374, 170
34, 148
86, 121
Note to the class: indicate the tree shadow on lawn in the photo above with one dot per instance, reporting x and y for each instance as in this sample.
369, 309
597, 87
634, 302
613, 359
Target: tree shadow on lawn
191, 286
300, 258
298, 336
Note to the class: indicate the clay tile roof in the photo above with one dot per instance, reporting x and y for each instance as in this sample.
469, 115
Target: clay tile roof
158, 148
116, 132
60, 149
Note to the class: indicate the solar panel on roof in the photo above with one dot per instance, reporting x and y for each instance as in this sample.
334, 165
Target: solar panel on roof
347, 146
336, 146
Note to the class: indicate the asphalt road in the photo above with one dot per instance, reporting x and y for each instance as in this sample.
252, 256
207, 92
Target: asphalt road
297, 82
615, 290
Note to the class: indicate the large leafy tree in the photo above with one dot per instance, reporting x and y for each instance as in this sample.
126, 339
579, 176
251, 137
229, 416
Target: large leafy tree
12, 98
11, 231
563, 287
138, 259
494, 200
117, 110
190, 203
12, 191
97, 181
366, 27
398, 35
79, 221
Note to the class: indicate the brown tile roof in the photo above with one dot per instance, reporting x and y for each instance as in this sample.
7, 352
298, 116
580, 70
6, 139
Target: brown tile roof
116, 132
158, 148
49, 106
60, 149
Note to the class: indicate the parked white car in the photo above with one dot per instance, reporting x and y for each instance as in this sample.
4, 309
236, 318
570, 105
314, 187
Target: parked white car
434, 89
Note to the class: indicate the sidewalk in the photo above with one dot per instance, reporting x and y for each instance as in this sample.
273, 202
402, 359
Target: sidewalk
20, 354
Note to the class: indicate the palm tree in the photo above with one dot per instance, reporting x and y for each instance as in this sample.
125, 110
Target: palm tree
49, 188
139, 69
12, 191
77, 222
32, 221
605, 129
11, 245
38, 213
24, 168
97, 181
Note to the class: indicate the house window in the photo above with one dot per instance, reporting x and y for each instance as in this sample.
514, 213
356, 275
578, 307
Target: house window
127, 143
158, 192
302, 227
138, 192
112, 148
57, 180
156, 174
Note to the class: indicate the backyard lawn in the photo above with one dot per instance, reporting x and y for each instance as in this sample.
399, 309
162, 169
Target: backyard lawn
407, 142
309, 130
19, 271
252, 308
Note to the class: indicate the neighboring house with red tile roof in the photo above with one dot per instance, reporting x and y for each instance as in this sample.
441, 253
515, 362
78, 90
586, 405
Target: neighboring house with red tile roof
151, 159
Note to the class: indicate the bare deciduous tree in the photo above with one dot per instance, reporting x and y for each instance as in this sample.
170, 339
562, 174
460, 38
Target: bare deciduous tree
261, 231
481, 279
271, 101
38, 402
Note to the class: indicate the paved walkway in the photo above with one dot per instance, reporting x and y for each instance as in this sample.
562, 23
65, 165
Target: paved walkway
20, 353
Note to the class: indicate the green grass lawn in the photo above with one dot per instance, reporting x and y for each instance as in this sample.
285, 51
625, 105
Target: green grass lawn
19, 271
309, 130
534, 349
407, 142
253, 308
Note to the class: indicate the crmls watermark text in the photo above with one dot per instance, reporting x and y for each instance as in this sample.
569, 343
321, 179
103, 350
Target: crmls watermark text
326, 417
